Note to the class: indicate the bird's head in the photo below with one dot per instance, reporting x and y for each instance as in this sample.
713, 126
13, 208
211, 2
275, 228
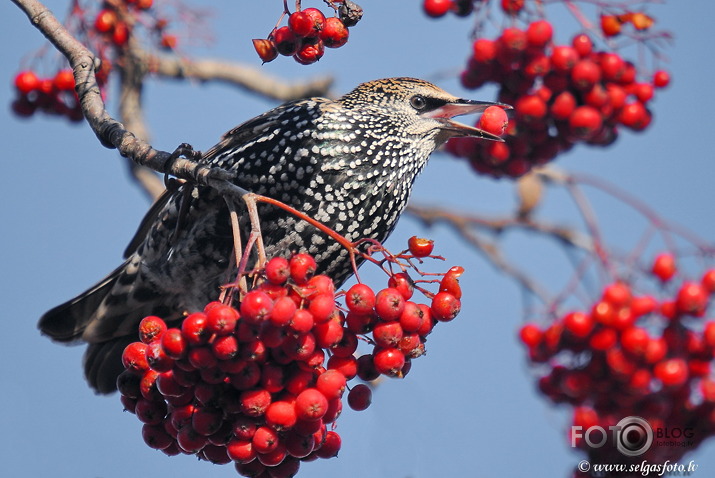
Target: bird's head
419, 107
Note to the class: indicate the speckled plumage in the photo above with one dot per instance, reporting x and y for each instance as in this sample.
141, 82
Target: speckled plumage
349, 163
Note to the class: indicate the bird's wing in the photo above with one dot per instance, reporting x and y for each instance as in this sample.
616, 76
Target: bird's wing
149, 219
255, 129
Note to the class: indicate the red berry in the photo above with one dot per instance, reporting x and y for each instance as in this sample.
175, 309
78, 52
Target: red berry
105, 21
322, 306
610, 25
330, 446
360, 299
692, 298
389, 304
151, 328
563, 105
299, 446
173, 343
134, 357
530, 108
334, 33
300, 23
664, 266
311, 404
283, 311
310, 53
26, 82
120, 34
328, 334
582, 44
672, 372
266, 49
255, 402
420, 247
256, 307
64, 80
207, 421
150, 412
708, 281
494, 120
437, 8
331, 383
634, 115
157, 358
403, 283
411, 318
539, 33
585, 122
273, 458
612, 66
302, 268
578, 324
445, 306
287, 44
241, 451
603, 339
348, 366
221, 320
277, 270
359, 397
302, 321
389, 361
585, 74
156, 437
484, 50
512, 42
564, 58
317, 20
531, 335
281, 415
661, 79
194, 330
617, 294
635, 340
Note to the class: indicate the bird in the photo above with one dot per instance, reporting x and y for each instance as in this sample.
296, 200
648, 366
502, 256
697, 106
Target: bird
349, 163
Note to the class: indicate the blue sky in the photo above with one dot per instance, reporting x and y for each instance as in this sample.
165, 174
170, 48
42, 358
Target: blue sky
469, 408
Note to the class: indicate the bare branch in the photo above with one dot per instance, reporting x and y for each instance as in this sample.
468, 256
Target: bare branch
110, 132
468, 225
244, 76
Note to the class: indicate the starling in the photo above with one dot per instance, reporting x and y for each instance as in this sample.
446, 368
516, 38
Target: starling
349, 163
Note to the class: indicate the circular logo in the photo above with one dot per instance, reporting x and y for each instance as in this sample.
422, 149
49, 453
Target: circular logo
584, 466
634, 436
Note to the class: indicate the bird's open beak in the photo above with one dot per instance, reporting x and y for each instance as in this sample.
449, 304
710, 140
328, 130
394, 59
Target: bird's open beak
464, 107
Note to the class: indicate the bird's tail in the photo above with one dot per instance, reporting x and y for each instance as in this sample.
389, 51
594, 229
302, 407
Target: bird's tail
106, 317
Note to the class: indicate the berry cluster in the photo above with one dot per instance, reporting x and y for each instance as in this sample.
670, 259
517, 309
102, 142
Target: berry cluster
54, 95
308, 33
562, 95
106, 31
637, 355
258, 385
115, 21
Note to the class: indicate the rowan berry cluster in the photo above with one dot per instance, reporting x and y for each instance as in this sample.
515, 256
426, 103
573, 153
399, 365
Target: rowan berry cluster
562, 95
259, 385
106, 31
634, 354
54, 95
308, 33
117, 18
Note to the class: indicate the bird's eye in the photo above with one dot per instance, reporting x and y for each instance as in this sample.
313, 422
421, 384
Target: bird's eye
418, 102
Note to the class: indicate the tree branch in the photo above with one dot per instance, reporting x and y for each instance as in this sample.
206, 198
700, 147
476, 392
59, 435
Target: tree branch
243, 76
110, 132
